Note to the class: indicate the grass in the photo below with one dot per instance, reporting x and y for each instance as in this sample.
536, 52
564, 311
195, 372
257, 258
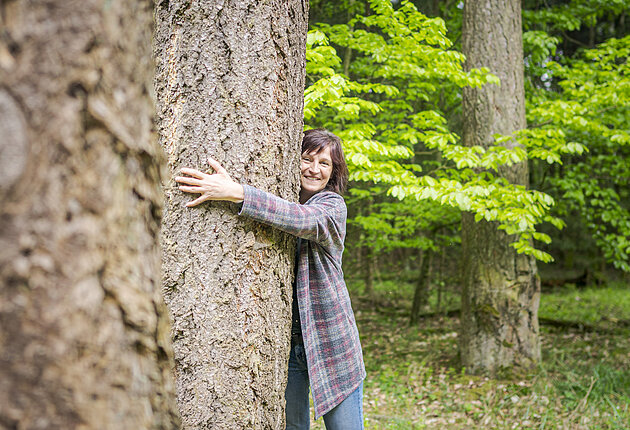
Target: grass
415, 382
594, 306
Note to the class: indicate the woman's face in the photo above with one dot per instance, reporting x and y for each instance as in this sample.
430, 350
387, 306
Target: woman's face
315, 171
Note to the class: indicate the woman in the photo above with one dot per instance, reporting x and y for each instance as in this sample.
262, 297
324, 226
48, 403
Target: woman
325, 348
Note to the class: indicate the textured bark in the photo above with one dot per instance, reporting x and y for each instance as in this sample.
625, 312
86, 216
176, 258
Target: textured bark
84, 333
501, 288
230, 83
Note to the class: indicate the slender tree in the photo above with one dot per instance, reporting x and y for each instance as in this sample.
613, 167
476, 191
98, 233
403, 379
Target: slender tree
501, 288
84, 334
230, 82
423, 284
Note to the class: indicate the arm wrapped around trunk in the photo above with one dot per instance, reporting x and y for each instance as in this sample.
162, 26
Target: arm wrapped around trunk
322, 219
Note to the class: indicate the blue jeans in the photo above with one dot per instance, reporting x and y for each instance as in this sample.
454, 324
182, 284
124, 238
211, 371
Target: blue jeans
348, 415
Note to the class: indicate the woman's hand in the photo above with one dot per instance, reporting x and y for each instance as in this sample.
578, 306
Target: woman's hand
217, 186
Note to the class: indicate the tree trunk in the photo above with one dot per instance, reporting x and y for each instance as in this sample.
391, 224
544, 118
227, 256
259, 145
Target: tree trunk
425, 285
84, 333
501, 288
368, 258
442, 278
230, 82
347, 58
420, 293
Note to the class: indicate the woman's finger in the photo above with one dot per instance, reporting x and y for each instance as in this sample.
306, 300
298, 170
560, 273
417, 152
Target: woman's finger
197, 190
193, 172
196, 202
188, 180
217, 166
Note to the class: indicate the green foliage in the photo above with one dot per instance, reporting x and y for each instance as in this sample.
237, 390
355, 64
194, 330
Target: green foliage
408, 223
591, 108
378, 137
394, 109
583, 94
539, 46
404, 78
571, 15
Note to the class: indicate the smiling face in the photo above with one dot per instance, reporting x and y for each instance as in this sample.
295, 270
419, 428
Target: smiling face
316, 169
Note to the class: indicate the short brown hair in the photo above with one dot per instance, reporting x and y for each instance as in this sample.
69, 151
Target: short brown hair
316, 140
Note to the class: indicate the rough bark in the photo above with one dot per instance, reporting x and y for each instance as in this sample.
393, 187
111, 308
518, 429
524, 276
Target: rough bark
501, 288
84, 333
230, 81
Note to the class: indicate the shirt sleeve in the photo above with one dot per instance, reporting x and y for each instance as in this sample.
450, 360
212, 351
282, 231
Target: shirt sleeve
321, 220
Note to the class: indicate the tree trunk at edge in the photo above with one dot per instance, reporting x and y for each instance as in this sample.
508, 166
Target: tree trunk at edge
84, 333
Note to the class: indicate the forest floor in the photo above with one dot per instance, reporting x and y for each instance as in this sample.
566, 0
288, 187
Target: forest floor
414, 380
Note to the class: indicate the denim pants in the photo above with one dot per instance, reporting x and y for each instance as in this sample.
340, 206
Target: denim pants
348, 415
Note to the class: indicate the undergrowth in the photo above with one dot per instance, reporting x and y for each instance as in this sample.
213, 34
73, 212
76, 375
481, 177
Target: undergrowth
415, 381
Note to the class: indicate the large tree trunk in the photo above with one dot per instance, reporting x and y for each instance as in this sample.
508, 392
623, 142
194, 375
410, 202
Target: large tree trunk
230, 85
84, 334
501, 288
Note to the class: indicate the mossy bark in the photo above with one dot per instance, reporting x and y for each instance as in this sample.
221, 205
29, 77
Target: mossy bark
84, 333
230, 81
501, 291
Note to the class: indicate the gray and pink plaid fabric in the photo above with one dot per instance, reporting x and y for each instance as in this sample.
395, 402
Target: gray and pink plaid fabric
331, 338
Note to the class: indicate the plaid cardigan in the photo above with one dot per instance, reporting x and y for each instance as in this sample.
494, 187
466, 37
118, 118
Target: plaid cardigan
331, 338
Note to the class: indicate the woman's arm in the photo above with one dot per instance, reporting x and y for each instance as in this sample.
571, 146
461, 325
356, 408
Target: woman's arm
322, 220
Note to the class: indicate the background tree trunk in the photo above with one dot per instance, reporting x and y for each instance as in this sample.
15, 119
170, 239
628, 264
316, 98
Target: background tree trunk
501, 288
370, 268
84, 334
421, 290
230, 83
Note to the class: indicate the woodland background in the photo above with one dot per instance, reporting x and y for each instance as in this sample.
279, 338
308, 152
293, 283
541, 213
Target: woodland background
400, 113
488, 248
